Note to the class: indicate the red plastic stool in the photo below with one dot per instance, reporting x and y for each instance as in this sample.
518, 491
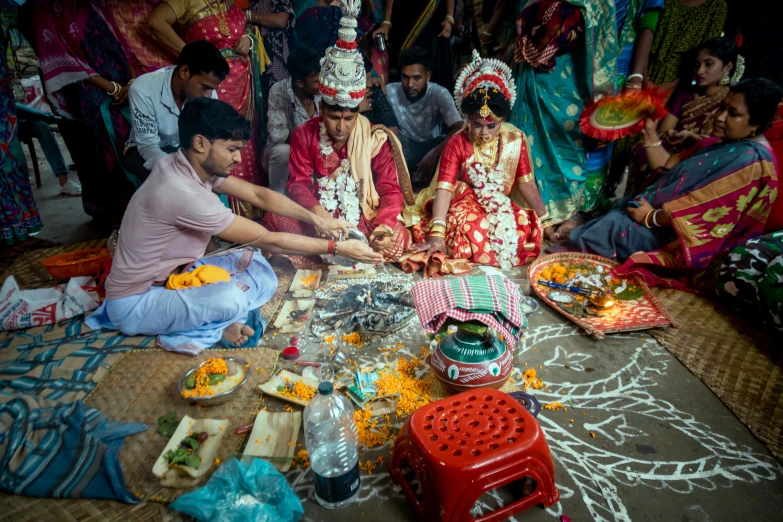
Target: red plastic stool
468, 445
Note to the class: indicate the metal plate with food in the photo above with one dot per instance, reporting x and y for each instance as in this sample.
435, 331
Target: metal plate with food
583, 288
214, 381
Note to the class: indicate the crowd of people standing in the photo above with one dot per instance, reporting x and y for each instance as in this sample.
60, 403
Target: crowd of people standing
517, 98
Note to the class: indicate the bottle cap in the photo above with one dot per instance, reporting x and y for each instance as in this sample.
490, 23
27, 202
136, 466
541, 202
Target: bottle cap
325, 388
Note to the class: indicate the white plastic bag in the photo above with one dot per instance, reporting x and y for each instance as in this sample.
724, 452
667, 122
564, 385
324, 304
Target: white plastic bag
28, 308
34, 94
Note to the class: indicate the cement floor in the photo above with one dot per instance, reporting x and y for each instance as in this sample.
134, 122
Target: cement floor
63, 217
665, 448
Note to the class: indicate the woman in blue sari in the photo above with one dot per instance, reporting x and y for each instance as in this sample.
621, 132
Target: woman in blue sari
573, 52
713, 197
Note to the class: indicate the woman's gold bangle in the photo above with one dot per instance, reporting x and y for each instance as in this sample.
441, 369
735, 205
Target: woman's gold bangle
652, 145
647, 217
441, 235
436, 221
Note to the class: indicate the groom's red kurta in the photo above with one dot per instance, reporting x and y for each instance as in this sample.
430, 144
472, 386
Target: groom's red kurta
307, 165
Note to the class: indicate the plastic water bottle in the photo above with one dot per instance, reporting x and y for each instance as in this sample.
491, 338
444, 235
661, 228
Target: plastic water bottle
332, 441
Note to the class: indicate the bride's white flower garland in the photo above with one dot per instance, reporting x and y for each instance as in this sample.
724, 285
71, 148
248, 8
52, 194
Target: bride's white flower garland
488, 183
339, 190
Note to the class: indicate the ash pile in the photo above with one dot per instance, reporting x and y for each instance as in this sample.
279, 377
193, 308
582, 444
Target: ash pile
375, 308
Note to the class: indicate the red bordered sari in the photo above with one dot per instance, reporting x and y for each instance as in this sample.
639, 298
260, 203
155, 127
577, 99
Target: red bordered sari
238, 87
718, 198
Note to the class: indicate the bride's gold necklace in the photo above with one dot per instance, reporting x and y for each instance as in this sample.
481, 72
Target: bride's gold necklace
220, 14
486, 153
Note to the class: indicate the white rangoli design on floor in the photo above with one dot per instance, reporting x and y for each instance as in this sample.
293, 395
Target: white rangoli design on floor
597, 472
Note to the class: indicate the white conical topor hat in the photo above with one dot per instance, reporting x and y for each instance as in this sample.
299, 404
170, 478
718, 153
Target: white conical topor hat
343, 79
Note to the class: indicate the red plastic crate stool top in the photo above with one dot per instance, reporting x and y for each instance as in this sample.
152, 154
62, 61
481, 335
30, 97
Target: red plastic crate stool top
467, 445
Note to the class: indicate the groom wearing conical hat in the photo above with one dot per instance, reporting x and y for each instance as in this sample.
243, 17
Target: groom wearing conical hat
343, 166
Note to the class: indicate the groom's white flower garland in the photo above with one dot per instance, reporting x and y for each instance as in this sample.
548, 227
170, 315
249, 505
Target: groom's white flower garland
339, 190
488, 183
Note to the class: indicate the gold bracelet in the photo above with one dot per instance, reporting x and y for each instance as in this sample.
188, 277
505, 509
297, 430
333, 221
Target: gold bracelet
449, 19
652, 145
438, 234
386, 22
435, 221
647, 217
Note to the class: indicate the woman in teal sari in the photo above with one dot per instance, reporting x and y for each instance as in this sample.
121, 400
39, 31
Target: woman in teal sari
573, 52
19, 219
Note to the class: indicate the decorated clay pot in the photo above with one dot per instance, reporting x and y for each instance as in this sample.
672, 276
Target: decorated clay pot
465, 361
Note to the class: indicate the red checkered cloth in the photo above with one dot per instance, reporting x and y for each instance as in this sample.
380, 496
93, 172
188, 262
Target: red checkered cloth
492, 300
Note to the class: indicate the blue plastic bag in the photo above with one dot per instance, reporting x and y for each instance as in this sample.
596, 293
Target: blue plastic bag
237, 492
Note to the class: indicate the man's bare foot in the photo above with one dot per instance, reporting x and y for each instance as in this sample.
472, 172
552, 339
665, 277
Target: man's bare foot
237, 333
563, 231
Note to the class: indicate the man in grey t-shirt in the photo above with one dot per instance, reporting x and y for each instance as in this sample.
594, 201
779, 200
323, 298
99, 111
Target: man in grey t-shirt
426, 114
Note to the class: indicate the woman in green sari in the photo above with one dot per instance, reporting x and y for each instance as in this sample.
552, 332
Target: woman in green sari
569, 57
571, 53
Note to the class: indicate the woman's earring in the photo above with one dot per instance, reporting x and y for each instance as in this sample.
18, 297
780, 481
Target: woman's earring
726, 78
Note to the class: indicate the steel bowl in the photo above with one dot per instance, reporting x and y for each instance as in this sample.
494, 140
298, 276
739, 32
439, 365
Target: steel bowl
530, 303
233, 363
352, 234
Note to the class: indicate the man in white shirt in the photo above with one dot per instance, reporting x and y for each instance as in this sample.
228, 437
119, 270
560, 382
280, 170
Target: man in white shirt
426, 113
292, 102
156, 100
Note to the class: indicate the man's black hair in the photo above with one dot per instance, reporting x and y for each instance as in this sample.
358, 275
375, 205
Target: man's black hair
213, 119
203, 57
302, 62
762, 97
497, 103
332, 108
415, 56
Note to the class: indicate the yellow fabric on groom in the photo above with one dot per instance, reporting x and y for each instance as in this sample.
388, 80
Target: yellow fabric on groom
364, 144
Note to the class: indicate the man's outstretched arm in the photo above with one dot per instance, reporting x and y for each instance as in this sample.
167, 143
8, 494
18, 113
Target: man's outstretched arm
279, 204
246, 232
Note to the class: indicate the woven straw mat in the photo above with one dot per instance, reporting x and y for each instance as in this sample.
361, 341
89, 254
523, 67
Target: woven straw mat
26, 509
735, 358
30, 273
143, 387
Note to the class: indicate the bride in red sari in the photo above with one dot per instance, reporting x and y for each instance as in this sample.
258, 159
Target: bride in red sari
222, 23
483, 207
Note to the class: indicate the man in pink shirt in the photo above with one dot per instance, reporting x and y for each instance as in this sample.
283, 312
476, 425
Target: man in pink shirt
168, 225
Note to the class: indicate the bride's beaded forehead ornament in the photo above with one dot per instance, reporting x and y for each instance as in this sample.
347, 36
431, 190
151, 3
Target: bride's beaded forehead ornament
480, 77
